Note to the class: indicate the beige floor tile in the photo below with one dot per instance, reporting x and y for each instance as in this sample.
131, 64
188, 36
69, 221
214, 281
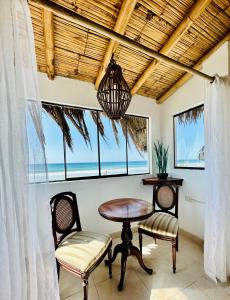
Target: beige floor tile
93, 295
188, 283
225, 286
133, 288
164, 283
163, 293
161, 284
71, 284
101, 273
193, 251
189, 274
213, 290
192, 292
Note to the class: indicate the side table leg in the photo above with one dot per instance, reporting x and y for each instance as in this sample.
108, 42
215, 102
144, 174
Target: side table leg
126, 237
124, 256
117, 249
136, 252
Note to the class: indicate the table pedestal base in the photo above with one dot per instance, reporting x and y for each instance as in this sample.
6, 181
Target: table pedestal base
126, 249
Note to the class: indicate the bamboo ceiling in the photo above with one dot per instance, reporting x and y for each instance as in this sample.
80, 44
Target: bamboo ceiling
66, 49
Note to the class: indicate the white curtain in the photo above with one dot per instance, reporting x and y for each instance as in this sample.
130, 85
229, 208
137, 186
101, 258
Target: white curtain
217, 161
27, 263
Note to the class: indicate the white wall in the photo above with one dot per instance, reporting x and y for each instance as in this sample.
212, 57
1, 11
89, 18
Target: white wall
191, 94
91, 193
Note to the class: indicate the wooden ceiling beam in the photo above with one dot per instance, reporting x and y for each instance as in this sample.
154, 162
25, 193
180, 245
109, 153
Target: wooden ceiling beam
86, 23
196, 10
49, 42
120, 26
188, 76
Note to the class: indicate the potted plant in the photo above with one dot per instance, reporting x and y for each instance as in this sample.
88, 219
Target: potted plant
161, 158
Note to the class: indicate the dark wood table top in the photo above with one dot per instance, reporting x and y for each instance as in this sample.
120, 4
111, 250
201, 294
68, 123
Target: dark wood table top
156, 180
126, 210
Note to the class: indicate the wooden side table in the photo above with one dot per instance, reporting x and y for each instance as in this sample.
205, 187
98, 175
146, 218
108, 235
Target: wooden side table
126, 210
157, 181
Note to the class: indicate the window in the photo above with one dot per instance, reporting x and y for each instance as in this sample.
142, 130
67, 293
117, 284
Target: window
82, 159
54, 144
112, 147
189, 139
138, 155
85, 143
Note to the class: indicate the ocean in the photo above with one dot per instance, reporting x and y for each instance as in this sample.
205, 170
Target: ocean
195, 163
56, 171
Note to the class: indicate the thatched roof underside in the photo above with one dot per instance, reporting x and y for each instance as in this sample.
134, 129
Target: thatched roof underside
80, 52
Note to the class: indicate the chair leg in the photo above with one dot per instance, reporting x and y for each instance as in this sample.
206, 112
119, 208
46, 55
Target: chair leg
58, 268
110, 261
177, 243
85, 288
140, 242
174, 255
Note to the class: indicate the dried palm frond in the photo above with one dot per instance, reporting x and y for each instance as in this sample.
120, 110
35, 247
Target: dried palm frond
115, 131
191, 116
137, 132
76, 116
134, 127
97, 119
57, 114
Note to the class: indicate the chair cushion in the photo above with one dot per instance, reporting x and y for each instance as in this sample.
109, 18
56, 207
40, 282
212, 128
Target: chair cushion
81, 250
161, 223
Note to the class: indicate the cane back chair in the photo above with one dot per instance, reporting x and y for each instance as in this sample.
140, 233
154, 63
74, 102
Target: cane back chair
163, 224
77, 251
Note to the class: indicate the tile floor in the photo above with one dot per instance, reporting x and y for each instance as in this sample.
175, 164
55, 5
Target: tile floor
189, 282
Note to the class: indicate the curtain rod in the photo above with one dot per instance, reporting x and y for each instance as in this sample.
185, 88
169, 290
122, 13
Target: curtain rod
84, 22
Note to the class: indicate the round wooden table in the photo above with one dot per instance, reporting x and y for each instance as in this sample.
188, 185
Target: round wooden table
126, 210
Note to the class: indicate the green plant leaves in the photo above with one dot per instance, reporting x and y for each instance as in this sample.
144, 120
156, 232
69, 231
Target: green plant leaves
161, 156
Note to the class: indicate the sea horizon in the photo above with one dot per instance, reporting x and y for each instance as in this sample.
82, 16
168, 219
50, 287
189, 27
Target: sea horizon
54, 167
56, 171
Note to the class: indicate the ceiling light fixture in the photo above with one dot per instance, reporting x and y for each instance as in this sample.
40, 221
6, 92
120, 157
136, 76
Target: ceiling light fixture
113, 93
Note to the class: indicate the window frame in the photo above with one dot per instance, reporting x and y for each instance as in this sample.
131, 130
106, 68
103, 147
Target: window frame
99, 176
174, 139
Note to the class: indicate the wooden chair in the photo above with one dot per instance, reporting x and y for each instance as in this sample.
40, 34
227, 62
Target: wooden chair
163, 224
77, 251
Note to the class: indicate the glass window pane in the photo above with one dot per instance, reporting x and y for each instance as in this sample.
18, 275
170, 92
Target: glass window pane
138, 152
189, 138
113, 146
53, 147
82, 160
82, 155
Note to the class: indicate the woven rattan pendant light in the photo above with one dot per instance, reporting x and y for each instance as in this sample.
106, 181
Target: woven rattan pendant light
113, 93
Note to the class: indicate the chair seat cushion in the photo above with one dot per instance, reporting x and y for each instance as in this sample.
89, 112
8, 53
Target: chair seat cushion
161, 223
79, 251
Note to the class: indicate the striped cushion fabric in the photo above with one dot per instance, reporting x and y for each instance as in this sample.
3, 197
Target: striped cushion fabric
161, 223
79, 251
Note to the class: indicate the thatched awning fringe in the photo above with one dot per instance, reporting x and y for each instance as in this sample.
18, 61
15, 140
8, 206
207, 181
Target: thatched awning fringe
191, 116
135, 127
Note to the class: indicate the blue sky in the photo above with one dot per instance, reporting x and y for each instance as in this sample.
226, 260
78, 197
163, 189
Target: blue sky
189, 139
110, 151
